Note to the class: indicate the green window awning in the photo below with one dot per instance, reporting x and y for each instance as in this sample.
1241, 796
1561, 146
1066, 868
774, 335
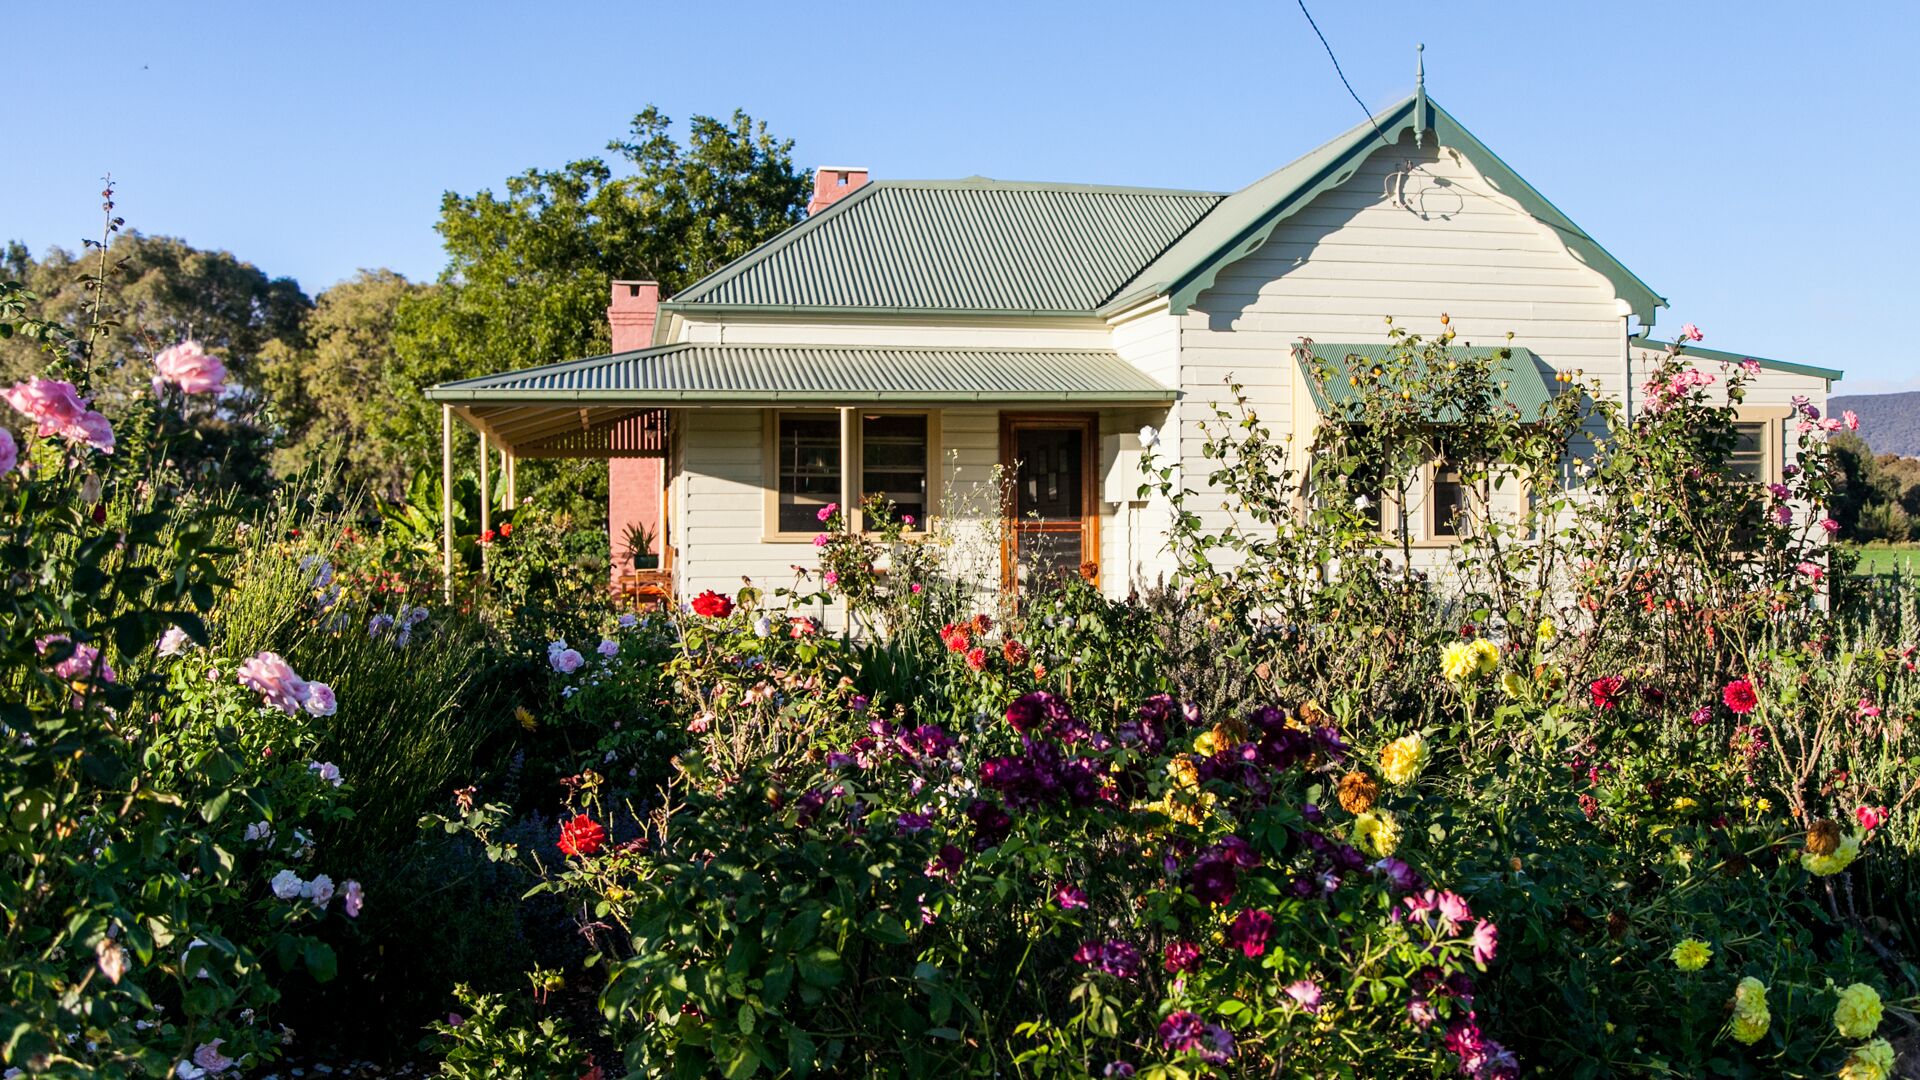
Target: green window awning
1523, 380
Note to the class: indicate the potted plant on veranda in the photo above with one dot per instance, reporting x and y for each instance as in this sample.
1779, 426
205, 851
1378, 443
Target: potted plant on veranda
639, 547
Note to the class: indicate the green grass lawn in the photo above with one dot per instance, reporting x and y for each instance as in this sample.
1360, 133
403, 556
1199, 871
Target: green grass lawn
1889, 559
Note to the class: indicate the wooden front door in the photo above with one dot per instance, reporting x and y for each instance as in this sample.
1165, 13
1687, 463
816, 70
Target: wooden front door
1053, 511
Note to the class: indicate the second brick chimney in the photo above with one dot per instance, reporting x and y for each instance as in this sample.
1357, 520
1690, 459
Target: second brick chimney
634, 485
631, 314
831, 183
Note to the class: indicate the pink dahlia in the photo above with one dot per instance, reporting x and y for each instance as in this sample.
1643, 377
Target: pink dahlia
1740, 697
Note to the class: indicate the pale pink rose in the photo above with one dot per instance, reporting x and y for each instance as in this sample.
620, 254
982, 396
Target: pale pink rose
273, 679
81, 664
319, 700
189, 367
174, 642
9, 452
1751, 367
327, 771
1851, 418
57, 409
1692, 333
567, 661
94, 430
209, 1057
352, 898
1811, 570
1830, 424
608, 647
1804, 427
319, 890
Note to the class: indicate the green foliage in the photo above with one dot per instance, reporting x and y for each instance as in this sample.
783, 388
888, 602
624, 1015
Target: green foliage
324, 381
489, 1039
526, 280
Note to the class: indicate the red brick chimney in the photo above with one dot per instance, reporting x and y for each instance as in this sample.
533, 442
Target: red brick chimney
634, 485
831, 183
631, 315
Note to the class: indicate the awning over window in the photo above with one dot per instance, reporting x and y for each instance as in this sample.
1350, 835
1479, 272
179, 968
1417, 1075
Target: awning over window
612, 406
1524, 380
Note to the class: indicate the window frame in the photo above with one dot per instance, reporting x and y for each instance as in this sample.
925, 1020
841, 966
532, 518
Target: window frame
1773, 438
852, 468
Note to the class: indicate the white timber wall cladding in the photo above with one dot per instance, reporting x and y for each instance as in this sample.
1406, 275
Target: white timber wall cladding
721, 502
1414, 234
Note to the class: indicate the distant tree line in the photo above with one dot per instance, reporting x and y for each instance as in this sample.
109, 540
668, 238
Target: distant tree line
1879, 498
333, 382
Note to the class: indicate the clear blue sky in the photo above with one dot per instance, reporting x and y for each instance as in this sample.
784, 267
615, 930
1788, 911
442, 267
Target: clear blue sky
1754, 162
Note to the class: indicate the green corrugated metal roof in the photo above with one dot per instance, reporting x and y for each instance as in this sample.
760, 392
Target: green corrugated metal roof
1522, 375
973, 245
1244, 221
693, 374
1832, 374
996, 247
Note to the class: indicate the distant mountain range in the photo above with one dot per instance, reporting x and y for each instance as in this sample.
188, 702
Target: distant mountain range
1889, 422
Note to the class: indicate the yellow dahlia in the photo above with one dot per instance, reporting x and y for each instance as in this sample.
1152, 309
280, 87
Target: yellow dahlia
1858, 1013
1402, 759
1750, 1014
1486, 656
1457, 662
1874, 1061
1839, 859
1691, 954
1376, 831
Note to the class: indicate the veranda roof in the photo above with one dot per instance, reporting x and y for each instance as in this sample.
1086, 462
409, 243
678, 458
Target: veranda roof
610, 406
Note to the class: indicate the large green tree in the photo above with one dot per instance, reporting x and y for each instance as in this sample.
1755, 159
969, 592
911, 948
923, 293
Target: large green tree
328, 387
527, 270
160, 290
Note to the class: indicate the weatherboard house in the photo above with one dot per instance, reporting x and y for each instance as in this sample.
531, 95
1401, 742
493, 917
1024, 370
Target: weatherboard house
932, 340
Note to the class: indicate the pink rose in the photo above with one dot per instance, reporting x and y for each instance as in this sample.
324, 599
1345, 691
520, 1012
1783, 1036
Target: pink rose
274, 680
81, 664
1811, 570
320, 701
820, 540
907, 520
1830, 525
1830, 424
9, 452
1751, 367
352, 898
187, 366
1871, 817
567, 661
1692, 333
58, 409
827, 511
1852, 421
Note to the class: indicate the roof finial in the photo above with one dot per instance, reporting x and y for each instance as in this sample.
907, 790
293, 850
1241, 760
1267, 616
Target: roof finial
1419, 93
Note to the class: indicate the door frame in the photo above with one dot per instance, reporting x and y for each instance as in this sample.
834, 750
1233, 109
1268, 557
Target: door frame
1088, 424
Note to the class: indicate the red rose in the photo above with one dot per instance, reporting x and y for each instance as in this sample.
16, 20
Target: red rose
506, 529
977, 659
800, 626
581, 835
1015, 652
1740, 697
488, 536
1606, 691
712, 605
